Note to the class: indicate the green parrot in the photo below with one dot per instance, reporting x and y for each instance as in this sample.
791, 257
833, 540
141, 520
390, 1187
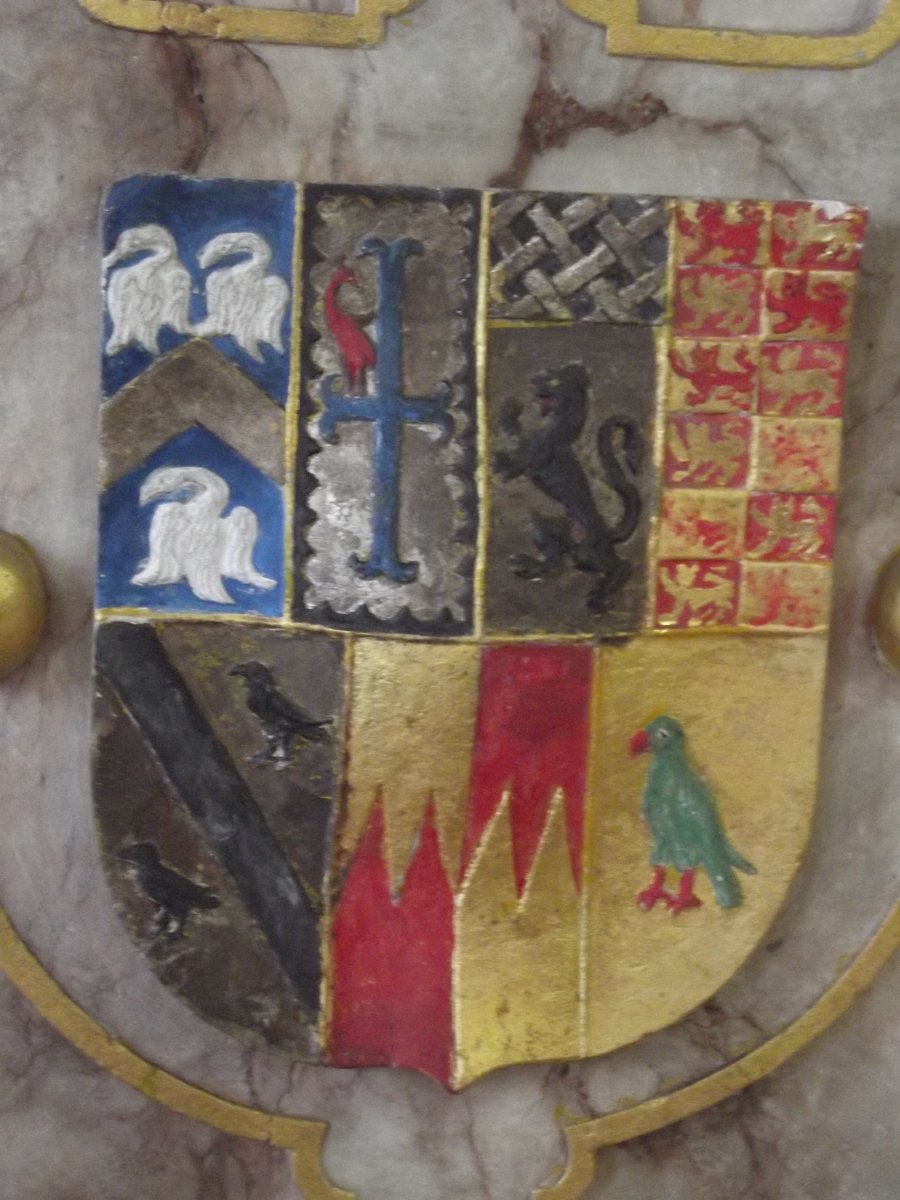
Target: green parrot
687, 833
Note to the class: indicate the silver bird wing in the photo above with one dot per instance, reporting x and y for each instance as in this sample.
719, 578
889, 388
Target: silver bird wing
241, 531
164, 562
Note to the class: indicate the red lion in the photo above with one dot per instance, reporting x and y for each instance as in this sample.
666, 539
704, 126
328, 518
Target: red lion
705, 375
822, 302
711, 232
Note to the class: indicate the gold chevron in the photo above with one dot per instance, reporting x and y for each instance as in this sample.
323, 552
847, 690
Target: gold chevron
517, 961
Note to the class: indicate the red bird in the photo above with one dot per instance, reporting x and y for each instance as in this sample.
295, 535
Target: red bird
353, 343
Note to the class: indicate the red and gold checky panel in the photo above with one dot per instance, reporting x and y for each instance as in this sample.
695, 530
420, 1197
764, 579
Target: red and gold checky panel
756, 364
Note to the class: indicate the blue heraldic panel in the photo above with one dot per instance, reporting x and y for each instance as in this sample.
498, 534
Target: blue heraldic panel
190, 258
194, 528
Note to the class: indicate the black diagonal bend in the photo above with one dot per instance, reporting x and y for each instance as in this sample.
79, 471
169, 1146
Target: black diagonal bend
210, 787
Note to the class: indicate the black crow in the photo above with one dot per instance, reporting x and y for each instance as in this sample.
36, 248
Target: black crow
281, 720
174, 895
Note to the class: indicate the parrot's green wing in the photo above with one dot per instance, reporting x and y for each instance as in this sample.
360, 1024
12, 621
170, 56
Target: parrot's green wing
658, 808
700, 833
704, 839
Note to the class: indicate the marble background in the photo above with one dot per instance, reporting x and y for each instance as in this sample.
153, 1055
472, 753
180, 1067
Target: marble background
463, 92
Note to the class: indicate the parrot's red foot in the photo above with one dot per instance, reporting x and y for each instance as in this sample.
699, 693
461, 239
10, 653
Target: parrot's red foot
649, 896
685, 898
656, 891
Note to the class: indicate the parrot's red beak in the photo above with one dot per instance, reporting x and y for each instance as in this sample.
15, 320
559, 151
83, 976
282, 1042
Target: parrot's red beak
640, 742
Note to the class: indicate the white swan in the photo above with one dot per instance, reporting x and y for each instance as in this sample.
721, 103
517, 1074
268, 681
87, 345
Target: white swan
242, 301
151, 293
189, 539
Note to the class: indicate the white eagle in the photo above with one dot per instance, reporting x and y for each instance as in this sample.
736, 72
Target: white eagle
242, 301
190, 539
145, 296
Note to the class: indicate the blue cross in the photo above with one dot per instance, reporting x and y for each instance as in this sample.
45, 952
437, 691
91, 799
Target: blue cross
388, 410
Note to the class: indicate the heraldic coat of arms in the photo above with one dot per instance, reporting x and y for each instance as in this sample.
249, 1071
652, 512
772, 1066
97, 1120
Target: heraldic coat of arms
462, 603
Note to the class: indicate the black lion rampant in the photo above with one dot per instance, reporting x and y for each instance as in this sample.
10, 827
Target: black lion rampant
545, 455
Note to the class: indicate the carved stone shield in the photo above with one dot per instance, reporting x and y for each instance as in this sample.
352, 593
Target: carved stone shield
462, 603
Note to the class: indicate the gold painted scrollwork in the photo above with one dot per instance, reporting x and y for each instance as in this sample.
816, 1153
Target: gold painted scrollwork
234, 23
628, 35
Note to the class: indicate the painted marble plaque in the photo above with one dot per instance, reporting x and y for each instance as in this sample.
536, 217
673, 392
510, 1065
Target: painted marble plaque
463, 597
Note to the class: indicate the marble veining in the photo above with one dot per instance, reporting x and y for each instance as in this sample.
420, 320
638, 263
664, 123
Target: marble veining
461, 94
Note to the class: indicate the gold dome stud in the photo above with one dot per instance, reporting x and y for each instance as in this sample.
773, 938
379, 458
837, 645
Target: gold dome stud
23, 603
885, 615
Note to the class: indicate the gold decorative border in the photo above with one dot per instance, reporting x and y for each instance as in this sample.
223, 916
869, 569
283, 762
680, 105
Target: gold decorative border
232, 23
628, 35
304, 1137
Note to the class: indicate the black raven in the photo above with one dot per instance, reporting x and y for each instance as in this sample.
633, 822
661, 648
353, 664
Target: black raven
281, 719
174, 895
